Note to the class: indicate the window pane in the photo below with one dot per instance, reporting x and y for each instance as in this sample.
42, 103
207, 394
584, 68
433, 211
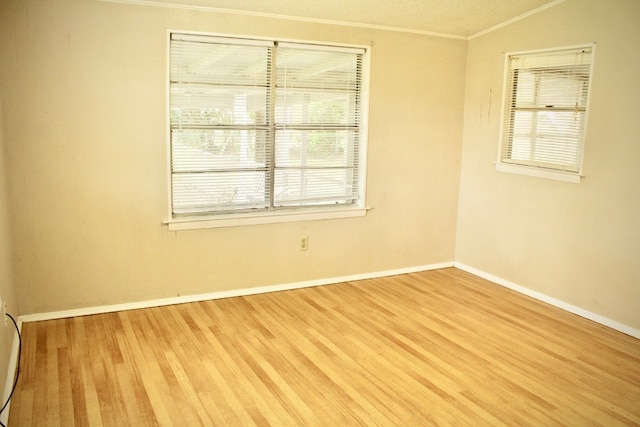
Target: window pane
522, 134
196, 104
547, 137
316, 120
562, 89
219, 132
558, 137
214, 149
296, 187
317, 69
558, 88
315, 148
222, 64
316, 107
315, 167
218, 191
525, 88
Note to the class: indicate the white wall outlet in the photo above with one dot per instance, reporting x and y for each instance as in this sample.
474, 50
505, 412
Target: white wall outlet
304, 243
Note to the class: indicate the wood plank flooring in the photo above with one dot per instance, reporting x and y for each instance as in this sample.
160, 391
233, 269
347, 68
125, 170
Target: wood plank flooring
434, 348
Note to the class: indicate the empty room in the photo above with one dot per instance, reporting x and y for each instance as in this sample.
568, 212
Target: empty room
287, 212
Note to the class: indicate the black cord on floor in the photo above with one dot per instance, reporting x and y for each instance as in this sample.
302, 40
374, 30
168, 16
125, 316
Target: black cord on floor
15, 382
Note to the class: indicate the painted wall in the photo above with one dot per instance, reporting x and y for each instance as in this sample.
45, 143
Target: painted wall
579, 243
7, 286
85, 135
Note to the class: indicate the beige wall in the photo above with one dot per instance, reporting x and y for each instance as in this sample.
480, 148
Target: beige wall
83, 86
579, 243
7, 287
86, 149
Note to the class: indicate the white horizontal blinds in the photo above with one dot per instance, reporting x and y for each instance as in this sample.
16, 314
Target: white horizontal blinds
219, 93
546, 108
317, 125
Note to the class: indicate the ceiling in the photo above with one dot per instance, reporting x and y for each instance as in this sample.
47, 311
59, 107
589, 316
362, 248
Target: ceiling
454, 18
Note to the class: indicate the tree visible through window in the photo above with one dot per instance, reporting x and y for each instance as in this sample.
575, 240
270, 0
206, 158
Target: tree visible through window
261, 126
546, 107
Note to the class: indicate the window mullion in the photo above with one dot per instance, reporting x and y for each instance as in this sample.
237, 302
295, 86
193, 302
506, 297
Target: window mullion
534, 124
271, 107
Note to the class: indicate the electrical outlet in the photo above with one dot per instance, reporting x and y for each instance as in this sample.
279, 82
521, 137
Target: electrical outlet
304, 243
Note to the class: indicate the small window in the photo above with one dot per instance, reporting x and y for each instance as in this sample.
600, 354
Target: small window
546, 109
258, 127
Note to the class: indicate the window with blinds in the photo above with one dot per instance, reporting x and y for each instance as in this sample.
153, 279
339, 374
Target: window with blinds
545, 109
262, 126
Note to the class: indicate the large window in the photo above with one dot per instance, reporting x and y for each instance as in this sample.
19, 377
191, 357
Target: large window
546, 108
264, 126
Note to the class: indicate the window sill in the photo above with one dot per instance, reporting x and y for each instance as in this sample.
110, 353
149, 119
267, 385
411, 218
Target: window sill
572, 177
236, 220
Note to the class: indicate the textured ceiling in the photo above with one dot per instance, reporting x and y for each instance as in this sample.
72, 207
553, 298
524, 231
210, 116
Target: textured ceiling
461, 18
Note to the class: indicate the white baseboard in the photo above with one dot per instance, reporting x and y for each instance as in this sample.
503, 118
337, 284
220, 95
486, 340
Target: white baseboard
328, 281
11, 374
225, 294
550, 300
13, 361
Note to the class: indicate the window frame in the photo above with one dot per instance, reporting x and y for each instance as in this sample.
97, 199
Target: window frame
541, 171
282, 214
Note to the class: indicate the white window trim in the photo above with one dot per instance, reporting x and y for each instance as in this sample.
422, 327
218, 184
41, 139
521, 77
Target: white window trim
244, 219
533, 171
537, 172
285, 215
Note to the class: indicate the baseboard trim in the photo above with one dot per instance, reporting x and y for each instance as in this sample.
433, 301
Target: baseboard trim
550, 300
319, 282
11, 373
225, 294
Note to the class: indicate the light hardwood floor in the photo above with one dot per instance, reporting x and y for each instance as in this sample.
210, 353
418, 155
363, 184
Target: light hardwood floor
434, 348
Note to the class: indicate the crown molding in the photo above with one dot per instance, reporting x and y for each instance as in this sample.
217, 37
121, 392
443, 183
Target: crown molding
515, 19
153, 3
